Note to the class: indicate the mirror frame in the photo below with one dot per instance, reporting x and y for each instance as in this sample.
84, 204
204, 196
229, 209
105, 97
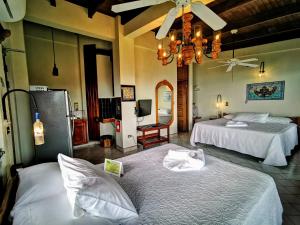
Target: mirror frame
164, 83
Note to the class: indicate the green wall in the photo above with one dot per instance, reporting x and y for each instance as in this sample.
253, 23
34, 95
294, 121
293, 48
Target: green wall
281, 63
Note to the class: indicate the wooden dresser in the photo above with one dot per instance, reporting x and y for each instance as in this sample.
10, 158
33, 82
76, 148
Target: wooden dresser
80, 132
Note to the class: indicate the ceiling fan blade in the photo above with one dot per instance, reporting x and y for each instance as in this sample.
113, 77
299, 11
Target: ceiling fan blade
247, 64
217, 66
208, 16
249, 60
169, 20
229, 68
223, 61
135, 5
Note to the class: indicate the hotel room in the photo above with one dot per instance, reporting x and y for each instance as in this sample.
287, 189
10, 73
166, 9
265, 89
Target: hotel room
150, 112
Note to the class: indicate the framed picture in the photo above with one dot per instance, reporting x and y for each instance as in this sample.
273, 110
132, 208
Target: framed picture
266, 91
128, 93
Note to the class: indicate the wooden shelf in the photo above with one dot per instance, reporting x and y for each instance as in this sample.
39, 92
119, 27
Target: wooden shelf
147, 139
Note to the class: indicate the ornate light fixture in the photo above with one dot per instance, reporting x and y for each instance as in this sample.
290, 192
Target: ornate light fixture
190, 46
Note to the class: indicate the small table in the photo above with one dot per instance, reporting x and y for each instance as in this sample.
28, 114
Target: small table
148, 139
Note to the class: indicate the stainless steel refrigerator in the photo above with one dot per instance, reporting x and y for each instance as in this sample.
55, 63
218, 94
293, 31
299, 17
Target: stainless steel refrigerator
54, 108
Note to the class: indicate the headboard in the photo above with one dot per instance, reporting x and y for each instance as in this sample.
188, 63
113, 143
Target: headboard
295, 120
9, 196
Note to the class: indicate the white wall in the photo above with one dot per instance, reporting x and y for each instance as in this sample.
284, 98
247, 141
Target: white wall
104, 75
149, 72
69, 60
281, 63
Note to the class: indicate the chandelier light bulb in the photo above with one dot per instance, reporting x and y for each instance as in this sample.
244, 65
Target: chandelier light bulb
165, 54
159, 46
172, 38
217, 37
198, 34
179, 55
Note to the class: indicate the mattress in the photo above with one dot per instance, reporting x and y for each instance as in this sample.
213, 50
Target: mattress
221, 193
269, 141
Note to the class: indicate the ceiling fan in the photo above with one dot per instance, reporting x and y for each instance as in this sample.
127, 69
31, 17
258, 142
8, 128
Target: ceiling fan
197, 7
235, 61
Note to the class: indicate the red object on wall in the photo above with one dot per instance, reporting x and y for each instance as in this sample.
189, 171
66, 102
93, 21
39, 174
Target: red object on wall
118, 126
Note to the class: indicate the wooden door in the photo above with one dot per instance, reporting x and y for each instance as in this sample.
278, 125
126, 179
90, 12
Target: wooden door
91, 86
182, 98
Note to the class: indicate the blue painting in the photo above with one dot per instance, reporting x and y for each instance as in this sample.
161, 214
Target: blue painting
266, 91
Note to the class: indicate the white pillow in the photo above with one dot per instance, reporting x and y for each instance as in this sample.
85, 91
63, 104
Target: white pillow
251, 117
280, 120
229, 116
73, 172
104, 198
81, 180
37, 183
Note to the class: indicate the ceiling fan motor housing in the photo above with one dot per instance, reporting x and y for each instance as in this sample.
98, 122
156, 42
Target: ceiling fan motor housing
182, 2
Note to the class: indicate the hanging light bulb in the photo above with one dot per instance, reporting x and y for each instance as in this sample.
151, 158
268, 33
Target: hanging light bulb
55, 69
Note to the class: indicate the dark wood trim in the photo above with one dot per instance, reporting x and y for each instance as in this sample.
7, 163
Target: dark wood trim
93, 6
266, 16
91, 86
53, 3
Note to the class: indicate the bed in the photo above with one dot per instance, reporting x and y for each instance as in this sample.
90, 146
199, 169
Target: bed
221, 193
269, 141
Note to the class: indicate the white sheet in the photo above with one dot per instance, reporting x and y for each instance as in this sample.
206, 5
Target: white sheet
269, 141
221, 193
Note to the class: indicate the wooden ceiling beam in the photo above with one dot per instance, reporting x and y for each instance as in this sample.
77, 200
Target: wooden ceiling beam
223, 6
53, 3
277, 13
284, 31
261, 23
93, 7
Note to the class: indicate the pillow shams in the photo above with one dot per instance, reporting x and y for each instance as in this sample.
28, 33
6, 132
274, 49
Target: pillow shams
251, 117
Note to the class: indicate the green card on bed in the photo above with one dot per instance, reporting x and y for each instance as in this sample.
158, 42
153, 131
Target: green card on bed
113, 167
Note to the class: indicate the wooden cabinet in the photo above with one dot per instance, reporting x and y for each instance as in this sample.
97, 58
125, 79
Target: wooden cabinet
80, 132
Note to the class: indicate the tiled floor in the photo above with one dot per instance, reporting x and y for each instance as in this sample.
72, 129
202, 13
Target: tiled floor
287, 178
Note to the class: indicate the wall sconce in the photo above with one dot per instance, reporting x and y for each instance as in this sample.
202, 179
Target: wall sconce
38, 127
219, 105
261, 69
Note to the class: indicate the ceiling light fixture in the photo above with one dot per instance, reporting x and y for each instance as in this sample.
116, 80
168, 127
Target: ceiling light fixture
190, 46
55, 69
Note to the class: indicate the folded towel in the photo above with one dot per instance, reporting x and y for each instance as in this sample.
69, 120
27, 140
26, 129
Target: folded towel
184, 160
236, 124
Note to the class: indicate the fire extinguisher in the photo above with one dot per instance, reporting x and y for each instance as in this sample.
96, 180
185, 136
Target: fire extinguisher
118, 125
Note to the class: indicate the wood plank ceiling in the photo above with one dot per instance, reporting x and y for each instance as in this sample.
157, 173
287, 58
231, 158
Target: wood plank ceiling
258, 21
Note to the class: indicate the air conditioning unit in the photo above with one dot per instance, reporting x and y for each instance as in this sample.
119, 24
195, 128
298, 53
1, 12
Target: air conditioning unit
12, 10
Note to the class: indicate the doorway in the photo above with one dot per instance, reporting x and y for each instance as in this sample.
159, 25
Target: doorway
94, 61
183, 98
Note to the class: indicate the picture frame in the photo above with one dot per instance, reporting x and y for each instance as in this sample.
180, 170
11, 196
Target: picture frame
128, 93
113, 167
266, 91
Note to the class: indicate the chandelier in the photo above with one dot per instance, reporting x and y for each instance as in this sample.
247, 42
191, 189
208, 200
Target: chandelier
190, 46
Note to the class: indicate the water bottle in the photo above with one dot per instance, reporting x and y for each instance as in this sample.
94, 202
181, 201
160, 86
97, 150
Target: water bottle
38, 129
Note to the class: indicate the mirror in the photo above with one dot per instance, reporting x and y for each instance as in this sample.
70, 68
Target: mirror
164, 102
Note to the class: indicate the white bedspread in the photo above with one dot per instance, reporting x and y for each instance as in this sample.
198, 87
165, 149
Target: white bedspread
221, 193
269, 141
